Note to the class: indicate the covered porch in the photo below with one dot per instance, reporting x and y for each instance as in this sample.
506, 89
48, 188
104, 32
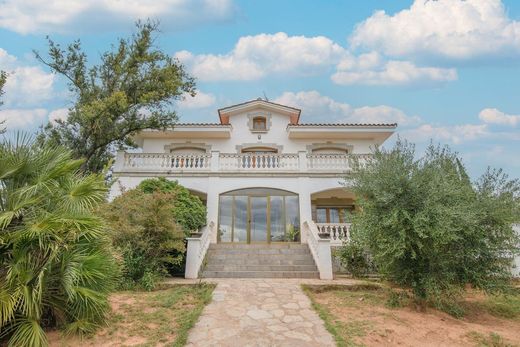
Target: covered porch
332, 211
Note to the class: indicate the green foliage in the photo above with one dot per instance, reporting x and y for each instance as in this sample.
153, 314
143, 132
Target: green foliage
56, 264
428, 228
3, 79
188, 210
355, 259
131, 89
145, 232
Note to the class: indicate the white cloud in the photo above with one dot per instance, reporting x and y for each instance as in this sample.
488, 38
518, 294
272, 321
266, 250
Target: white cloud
372, 69
26, 85
453, 29
58, 114
316, 107
495, 116
23, 119
66, 16
200, 100
255, 56
455, 134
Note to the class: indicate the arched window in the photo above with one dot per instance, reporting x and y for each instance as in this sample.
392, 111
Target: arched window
259, 124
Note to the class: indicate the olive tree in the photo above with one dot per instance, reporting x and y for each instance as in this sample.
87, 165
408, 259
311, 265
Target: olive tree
428, 227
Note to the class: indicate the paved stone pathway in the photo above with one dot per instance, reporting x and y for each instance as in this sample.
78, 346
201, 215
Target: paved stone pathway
259, 312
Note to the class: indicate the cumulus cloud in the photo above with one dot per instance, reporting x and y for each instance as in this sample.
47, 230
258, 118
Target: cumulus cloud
372, 69
316, 107
66, 16
495, 116
452, 29
58, 114
455, 134
23, 119
26, 85
201, 100
253, 57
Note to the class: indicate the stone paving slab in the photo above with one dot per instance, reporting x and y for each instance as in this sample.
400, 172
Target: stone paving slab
259, 312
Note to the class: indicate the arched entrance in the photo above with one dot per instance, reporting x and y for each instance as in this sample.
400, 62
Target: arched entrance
259, 215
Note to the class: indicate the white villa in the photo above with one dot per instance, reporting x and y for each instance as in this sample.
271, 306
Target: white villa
272, 184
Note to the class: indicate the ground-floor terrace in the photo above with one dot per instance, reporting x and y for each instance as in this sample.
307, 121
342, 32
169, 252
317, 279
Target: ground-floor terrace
255, 210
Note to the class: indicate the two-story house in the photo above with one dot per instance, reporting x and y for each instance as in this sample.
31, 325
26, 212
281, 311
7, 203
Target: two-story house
274, 186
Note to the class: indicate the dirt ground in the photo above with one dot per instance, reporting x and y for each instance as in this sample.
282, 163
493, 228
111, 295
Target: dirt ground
158, 318
363, 319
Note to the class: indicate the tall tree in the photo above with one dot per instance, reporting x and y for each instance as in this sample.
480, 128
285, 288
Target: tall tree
429, 228
3, 79
131, 89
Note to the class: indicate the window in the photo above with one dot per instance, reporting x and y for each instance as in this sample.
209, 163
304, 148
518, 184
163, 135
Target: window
333, 214
259, 124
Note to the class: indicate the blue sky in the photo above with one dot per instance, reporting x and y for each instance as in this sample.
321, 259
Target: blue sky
447, 70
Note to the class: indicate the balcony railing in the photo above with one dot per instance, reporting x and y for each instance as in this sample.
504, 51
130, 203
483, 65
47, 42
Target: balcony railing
165, 162
258, 162
338, 233
236, 162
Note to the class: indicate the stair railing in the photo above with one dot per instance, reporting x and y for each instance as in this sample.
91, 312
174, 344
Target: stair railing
196, 250
320, 250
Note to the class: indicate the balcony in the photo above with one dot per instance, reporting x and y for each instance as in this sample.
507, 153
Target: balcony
301, 162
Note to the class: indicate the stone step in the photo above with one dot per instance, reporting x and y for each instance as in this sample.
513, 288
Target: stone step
230, 267
264, 257
260, 274
292, 245
267, 251
256, 261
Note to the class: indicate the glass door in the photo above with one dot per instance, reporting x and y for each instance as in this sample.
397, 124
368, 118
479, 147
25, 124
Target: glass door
258, 221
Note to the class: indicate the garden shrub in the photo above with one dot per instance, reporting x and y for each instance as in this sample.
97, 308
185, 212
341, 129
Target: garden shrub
57, 266
429, 228
355, 259
188, 210
144, 230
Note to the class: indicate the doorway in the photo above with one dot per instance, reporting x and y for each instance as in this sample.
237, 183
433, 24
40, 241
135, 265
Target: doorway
259, 215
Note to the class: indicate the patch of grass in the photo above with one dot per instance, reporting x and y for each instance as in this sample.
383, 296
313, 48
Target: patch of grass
492, 340
159, 317
344, 333
502, 306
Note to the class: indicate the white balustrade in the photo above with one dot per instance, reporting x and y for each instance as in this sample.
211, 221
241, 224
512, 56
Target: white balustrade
196, 251
338, 233
320, 250
250, 162
236, 162
328, 162
166, 162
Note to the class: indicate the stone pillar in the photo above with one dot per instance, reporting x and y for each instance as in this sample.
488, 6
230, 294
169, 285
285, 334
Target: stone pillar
305, 204
325, 259
302, 161
119, 161
192, 255
212, 202
215, 158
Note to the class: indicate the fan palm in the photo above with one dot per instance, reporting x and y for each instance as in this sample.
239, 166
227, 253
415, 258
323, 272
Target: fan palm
56, 267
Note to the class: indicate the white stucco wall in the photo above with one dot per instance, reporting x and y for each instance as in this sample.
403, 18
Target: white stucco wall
241, 135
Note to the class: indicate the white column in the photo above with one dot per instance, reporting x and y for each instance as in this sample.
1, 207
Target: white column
305, 204
119, 161
302, 161
212, 200
192, 255
325, 259
215, 158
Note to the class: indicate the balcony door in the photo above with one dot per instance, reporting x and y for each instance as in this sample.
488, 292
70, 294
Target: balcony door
258, 215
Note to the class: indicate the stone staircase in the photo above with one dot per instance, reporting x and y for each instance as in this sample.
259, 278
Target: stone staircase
281, 260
